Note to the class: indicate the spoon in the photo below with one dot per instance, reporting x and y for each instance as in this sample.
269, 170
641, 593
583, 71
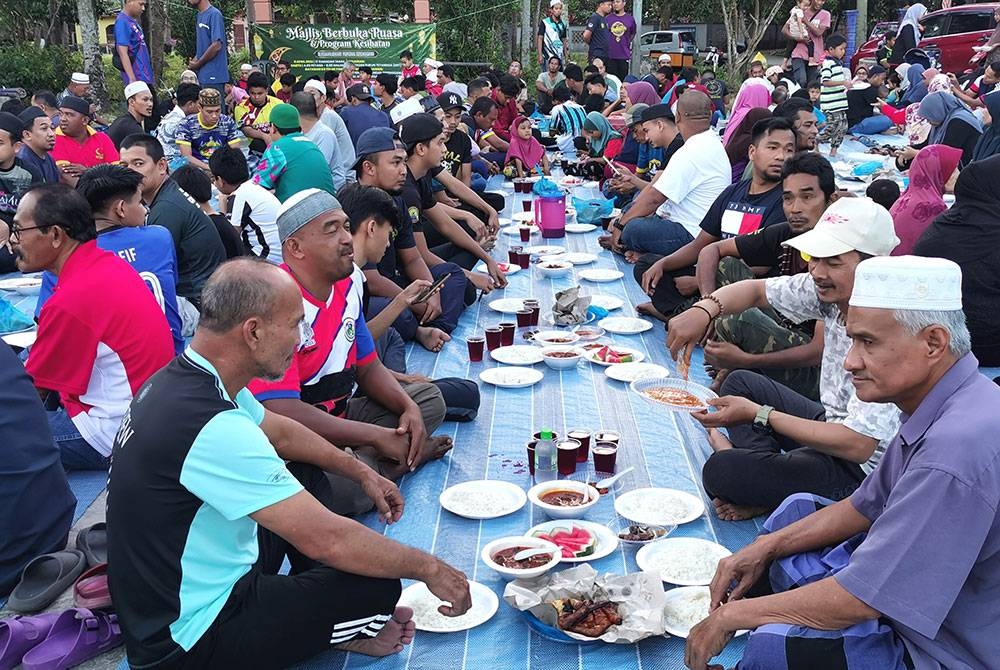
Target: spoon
608, 481
535, 551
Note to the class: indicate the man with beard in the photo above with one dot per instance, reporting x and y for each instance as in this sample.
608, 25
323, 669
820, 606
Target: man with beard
780, 442
139, 107
78, 146
37, 141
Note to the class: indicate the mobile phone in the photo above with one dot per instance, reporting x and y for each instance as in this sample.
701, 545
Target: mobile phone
431, 290
614, 168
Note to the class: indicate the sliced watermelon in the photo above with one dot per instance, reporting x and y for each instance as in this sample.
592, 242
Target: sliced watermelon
574, 542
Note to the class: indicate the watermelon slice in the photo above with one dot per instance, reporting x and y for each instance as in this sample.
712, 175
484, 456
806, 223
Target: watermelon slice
609, 355
575, 542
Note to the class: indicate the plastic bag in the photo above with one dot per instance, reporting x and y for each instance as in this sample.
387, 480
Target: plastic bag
12, 319
592, 210
546, 188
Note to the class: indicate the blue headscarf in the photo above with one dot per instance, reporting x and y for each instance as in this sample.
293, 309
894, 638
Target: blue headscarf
917, 89
597, 121
940, 109
989, 143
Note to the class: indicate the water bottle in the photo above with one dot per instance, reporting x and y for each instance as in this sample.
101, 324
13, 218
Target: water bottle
545, 457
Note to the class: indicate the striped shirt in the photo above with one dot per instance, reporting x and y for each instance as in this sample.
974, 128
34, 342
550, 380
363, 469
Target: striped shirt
833, 98
569, 118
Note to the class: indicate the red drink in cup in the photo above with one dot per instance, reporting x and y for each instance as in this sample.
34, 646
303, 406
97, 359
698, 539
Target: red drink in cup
523, 318
476, 348
493, 336
531, 458
524, 260
525, 232
607, 436
535, 310
566, 451
512, 254
526, 204
583, 437
605, 455
507, 333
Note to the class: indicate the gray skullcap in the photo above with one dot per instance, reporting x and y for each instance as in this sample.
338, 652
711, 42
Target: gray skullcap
302, 208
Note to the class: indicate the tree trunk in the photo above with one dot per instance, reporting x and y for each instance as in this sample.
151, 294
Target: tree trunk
525, 55
155, 26
92, 64
750, 21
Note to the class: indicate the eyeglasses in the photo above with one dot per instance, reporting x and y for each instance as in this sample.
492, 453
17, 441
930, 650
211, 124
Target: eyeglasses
15, 231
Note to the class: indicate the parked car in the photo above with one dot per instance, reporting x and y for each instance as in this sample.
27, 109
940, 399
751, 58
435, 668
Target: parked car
949, 35
680, 44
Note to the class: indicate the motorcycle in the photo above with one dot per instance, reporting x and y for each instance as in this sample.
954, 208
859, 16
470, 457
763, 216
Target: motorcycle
715, 58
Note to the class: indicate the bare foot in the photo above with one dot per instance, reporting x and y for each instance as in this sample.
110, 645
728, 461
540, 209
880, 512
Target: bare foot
432, 339
729, 512
604, 241
439, 445
717, 379
718, 441
648, 309
397, 632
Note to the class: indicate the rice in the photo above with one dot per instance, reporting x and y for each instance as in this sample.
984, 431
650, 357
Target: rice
660, 507
687, 564
470, 502
426, 615
683, 613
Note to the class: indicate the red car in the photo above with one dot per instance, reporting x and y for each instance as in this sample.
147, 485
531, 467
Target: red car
949, 35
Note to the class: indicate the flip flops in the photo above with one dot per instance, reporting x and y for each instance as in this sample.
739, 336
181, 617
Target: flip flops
91, 589
78, 634
20, 634
93, 542
44, 578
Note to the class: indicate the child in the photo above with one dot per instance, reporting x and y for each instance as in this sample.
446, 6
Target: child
287, 81
525, 153
567, 119
833, 93
410, 68
795, 28
603, 142
814, 88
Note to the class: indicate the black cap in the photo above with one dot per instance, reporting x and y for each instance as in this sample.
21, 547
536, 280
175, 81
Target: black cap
29, 115
429, 103
359, 91
450, 100
657, 112
375, 141
419, 128
78, 105
12, 124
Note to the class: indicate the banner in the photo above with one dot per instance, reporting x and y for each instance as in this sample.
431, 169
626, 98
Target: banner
314, 48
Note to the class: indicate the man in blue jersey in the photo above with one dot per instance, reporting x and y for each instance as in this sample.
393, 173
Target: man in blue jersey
113, 192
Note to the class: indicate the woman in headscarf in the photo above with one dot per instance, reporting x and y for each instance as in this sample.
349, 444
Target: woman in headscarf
917, 128
908, 35
739, 142
969, 234
640, 92
916, 87
952, 123
989, 143
753, 96
932, 174
603, 141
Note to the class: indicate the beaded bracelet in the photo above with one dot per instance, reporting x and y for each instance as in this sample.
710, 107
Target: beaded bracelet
718, 302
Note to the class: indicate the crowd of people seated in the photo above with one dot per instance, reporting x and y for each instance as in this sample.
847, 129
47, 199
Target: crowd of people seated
230, 282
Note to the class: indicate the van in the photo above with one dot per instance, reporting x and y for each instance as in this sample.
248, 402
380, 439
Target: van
680, 44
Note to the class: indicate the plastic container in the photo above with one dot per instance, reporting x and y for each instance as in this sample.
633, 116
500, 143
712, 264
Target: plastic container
545, 457
550, 216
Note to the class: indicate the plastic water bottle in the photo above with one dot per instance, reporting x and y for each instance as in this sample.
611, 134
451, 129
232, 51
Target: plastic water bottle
545, 457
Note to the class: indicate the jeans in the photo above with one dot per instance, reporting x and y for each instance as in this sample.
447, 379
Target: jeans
802, 72
654, 235
75, 452
879, 123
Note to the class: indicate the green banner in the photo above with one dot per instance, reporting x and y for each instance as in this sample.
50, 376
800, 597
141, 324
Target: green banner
313, 48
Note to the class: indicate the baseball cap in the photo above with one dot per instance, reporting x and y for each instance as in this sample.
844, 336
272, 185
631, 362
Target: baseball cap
136, 87
78, 105
359, 91
660, 111
875, 70
373, 141
419, 128
634, 113
908, 282
302, 208
450, 101
664, 59
285, 117
849, 224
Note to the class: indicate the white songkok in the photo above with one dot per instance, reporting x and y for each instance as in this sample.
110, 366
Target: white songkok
79, 78
136, 87
908, 282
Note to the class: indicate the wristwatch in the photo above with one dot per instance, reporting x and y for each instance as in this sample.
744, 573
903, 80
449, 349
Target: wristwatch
760, 422
618, 225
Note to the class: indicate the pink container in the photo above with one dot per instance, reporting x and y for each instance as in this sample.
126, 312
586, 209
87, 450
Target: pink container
550, 216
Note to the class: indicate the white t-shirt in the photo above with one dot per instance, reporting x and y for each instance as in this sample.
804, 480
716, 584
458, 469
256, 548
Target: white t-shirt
255, 213
693, 179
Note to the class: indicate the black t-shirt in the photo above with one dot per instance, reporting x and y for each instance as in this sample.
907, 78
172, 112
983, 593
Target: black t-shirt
198, 245
671, 149
599, 36
13, 183
859, 104
457, 152
737, 212
38, 507
400, 238
418, 195
764, 249
122, 127
230, 236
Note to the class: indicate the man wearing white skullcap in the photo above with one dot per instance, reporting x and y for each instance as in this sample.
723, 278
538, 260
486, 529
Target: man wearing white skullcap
139, 101
781, 442
903, 574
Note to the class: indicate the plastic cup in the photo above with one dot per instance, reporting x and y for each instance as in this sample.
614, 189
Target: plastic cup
507, 333
525, 232
607, 436
476, 348
524, 259
523, 318
512, 254
526, 204
583, 437
566, 451
531, 458
536, 310
605, 455
493, 338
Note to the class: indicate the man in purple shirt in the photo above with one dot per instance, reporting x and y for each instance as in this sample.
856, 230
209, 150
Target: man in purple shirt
621, 25
904, 573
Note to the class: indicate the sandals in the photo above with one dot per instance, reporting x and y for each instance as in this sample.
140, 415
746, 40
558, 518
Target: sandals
20, 634
93, 542
45, 578
91, 589
78, 634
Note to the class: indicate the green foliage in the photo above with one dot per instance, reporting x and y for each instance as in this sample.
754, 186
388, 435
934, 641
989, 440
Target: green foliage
182, 22
33, 68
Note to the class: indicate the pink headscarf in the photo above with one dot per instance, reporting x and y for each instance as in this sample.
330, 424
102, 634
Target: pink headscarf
917, 127
642, 92
922, 202
529, 152
751, 97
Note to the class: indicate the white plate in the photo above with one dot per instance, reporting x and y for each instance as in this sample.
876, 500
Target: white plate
662, 507
507, 268
22, 285
518, 354
22, 339
629, 372
700, 392
524, 216
608, 302
637, 356
580, 227
571, 181
515, 230
625, 325
580, 257
607, 541
601, 275
544, 338
545, 250
425, 615
684, 605
514, 377
684, 561
508, 305
483, 499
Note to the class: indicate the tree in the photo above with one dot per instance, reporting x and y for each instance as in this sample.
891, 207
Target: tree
92, 64
749, 20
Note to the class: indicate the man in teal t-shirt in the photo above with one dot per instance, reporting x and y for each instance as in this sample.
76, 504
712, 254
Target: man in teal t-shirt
291, 163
